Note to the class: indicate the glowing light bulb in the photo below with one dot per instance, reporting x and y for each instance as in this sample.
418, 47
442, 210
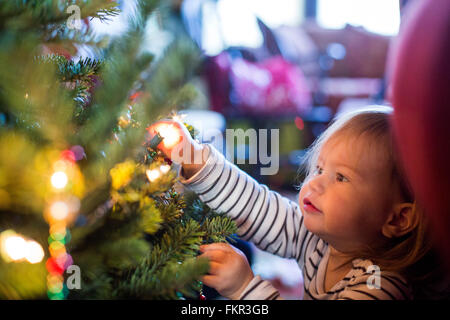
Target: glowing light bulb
35, 253
59, 210
164, 168
56, 248
153, 174
59, 179
170, 134
15, 247
54, 280
178, 117
58, 230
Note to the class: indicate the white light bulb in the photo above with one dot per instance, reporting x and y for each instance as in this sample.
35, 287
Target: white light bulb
35, 253
170, 135
153, 174
164, 168
59, 179
15, 247
59, 210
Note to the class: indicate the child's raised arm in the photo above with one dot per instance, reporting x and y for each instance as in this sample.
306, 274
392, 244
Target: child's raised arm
272, 222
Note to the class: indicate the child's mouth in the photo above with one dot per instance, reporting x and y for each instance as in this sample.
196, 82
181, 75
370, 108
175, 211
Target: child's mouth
309, 206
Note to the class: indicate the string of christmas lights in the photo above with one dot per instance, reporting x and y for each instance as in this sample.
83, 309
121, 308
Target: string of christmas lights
61, 211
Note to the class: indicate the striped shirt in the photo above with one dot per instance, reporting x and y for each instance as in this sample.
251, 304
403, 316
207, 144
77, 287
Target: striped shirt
275, 224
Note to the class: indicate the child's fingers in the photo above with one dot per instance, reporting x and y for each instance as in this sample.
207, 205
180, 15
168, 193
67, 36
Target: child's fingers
215, 246
214, 268
213, 255
210, 280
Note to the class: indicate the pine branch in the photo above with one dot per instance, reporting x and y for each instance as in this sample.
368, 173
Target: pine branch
69, 70
218, 229
176, 246
171, 282
77, 77
33, 13
171, 206
104, 11
179, 242
98, 287
217, 226
178, 279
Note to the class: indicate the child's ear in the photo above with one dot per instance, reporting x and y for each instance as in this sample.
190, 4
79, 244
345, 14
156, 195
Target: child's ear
400, 221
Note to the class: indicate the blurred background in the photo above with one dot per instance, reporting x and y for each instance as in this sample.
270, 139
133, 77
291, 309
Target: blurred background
290, 65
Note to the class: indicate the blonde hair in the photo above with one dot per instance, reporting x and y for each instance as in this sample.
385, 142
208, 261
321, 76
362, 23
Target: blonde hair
412, 254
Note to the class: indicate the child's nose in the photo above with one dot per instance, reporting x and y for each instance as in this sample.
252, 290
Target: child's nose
317, 184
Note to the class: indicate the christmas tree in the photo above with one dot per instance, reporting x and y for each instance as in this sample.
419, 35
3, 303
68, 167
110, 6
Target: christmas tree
89, 208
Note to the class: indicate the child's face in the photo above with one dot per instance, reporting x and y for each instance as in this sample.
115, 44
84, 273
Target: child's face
348, 198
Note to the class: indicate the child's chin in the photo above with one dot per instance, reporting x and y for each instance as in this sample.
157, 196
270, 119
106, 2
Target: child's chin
311, 223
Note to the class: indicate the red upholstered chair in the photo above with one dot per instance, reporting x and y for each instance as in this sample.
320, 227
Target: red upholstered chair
419, 67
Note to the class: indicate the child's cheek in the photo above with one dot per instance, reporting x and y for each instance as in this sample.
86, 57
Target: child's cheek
301, 194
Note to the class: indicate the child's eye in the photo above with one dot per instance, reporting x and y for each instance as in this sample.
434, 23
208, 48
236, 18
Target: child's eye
341, 178
318, 170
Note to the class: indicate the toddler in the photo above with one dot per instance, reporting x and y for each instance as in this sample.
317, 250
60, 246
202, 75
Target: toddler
356, 231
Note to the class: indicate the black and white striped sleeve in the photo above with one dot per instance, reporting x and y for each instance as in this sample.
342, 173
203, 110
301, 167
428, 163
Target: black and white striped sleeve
389, 287
270, 221
259, 289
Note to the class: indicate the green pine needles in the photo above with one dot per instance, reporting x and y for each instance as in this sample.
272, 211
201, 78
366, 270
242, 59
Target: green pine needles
170, 269
132, 237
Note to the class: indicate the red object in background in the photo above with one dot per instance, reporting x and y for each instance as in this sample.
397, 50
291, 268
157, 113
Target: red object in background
135, 95
271, 87
216, 74
168, 161
299, 123
420, 77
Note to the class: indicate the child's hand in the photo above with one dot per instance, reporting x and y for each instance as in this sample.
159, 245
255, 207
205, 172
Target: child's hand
179, 146
229, 271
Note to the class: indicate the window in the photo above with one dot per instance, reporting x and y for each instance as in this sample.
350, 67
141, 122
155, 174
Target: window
379, 16
233, 22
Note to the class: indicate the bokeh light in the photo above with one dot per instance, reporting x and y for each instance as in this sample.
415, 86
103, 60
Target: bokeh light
164, 168
59, 210
153, 174
57, 248
170, 134
59, 180
15, 247
35, 253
